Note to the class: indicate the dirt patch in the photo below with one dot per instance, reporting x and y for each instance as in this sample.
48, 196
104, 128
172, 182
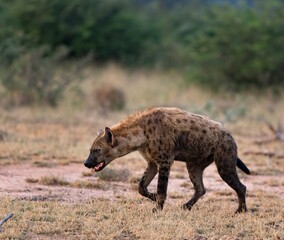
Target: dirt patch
13, 183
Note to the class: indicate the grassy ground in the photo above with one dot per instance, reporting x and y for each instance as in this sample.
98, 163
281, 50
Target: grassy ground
132, 219
52, 195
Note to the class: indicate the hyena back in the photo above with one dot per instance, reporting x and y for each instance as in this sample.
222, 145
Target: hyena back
163, 135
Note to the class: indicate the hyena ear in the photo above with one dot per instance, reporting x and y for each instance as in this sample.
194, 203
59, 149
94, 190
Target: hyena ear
110, 137
100, 132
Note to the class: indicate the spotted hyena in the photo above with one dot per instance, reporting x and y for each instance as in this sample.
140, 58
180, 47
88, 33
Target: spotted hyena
163, 135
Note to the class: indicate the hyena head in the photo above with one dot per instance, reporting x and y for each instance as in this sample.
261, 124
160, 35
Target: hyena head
103, 150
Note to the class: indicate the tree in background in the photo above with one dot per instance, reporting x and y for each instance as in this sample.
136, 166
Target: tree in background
220, 44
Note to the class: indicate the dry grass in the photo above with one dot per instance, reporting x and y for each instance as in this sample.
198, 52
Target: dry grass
57, 181
87, 174
176, 195
53, 181
186, 184
88, 184
273, 183
44, 164
49, 139
32, 180
116, 175
102, 219
180, 176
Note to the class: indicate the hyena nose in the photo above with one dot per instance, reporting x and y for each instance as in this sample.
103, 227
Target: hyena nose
88, 165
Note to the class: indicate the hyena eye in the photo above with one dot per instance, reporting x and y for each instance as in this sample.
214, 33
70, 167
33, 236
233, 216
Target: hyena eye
96, 150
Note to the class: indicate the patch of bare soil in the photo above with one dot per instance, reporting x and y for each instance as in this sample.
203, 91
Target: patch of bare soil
13, 183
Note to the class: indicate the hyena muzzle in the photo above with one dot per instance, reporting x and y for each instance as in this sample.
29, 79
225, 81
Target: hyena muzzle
163, 135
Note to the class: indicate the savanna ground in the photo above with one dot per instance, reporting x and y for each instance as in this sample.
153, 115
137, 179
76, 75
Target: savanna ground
53, 196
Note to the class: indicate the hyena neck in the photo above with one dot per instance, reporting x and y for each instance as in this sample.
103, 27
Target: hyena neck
129, 139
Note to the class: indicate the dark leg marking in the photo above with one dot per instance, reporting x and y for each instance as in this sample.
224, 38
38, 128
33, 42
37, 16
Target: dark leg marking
164, 172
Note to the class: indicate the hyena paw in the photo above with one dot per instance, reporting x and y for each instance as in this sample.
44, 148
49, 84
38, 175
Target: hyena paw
186, 207
241, 210
153, 196
157, 209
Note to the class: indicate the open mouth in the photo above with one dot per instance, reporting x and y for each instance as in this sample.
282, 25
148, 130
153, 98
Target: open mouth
99, 166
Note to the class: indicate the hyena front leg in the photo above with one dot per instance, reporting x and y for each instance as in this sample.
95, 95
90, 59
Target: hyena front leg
148, 176
195, 174
164, 172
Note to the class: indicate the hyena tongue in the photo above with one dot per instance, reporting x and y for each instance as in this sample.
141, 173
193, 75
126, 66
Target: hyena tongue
99, 166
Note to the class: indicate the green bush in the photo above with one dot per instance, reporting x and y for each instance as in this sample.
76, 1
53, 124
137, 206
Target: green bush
232, 46
111, 30
33, 78
236, 48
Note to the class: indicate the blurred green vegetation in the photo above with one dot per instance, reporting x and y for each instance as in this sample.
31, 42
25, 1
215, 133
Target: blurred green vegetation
219, 45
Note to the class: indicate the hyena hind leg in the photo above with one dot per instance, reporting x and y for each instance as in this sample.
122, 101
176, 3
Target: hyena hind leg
146, 179
196, 177
230, 176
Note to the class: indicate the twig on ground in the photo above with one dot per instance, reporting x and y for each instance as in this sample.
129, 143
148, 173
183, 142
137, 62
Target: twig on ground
278, 134
5, 220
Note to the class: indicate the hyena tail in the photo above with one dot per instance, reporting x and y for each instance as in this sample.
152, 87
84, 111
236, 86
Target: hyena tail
242, 166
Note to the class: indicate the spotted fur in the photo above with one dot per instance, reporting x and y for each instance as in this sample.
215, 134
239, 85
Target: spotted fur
163, 135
